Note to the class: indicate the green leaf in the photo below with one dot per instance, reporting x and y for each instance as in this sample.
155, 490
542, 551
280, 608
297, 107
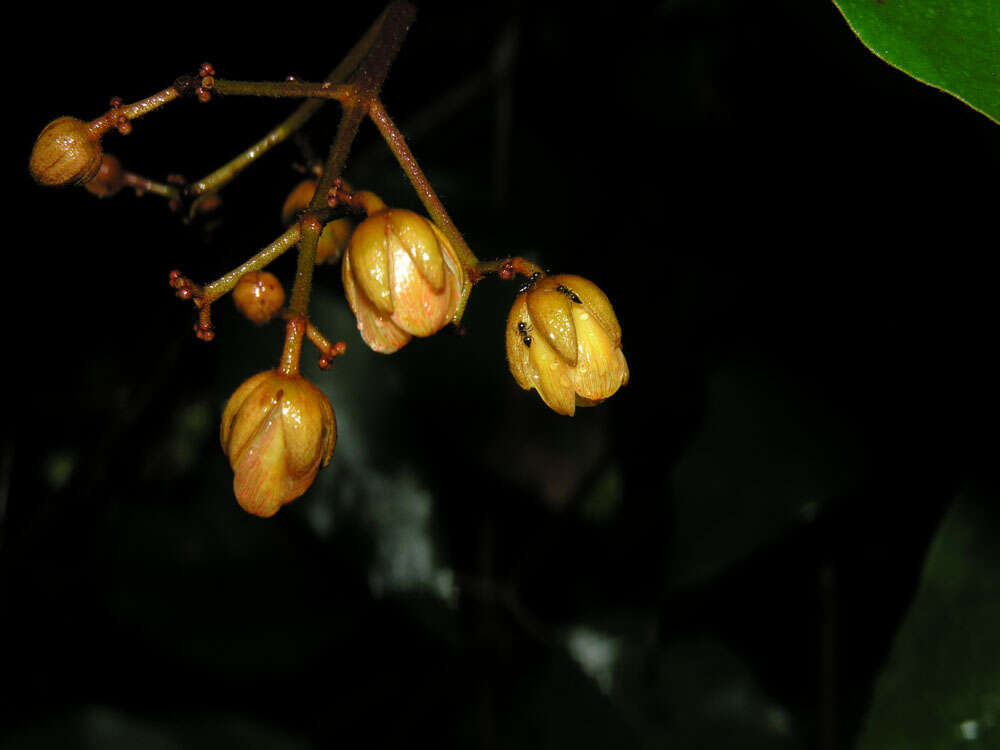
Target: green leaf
941, 685
953, 45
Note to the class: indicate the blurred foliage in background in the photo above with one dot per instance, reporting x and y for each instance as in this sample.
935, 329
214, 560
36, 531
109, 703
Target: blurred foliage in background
780, 534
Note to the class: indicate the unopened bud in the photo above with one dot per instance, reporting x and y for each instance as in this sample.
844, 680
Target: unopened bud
278, 431
66, 153
402, 278
259, 296
564, 340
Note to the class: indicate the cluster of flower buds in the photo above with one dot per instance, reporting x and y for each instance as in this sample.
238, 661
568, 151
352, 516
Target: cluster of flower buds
564, 340
278, 430
402, 278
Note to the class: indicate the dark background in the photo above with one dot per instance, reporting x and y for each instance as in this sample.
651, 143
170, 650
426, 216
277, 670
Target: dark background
795, 238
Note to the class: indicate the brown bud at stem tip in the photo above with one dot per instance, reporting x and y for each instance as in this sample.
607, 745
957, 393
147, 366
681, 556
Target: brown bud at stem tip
66, 153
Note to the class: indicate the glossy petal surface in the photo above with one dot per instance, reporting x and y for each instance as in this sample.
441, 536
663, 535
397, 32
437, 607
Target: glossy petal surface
376, 327
551, 377
370, 261
414, 233
551, 315
417, 308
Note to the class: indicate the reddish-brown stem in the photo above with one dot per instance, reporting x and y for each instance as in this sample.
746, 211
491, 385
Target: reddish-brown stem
406, 159
327, 350
295, 330
505, 269
366, 83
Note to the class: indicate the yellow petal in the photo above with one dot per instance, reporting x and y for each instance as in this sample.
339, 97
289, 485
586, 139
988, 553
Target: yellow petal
550, 314
551, 377
297, 200
239, 426
600, 366
415, 233
334, 239
370, 261
455, 277
302, 418
417, 308
596, 302
377, 328
259, 482
517, 351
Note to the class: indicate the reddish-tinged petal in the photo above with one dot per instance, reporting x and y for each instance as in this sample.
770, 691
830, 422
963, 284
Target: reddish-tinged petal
415, 234
376, 328
417, 308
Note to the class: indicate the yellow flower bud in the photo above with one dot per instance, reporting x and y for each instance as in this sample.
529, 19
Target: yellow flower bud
335, 235
564, 340
278, 430
259, 296
402, 278
65, 153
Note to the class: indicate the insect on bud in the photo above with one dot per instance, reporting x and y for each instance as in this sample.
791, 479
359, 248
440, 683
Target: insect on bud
564, 340
259, 296
278, 431
335, 235
402, 278
66, 153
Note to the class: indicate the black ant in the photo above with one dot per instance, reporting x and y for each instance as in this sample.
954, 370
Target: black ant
530, 282
569, 293
522, 328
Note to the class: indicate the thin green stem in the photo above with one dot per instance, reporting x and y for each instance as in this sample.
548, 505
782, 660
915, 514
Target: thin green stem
230, 169
305, 263
366, 83
224, 284
282, 89
145, 185
295, 121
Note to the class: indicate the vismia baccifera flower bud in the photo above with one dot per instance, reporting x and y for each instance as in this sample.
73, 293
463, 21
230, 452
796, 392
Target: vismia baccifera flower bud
278, 431
259, 296
65, 153
402, 278
564, 340
335, 235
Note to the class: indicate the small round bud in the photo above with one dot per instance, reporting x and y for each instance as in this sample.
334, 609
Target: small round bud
278, 431
564, 340
402, 278
109, 178
66, 153
258, 296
